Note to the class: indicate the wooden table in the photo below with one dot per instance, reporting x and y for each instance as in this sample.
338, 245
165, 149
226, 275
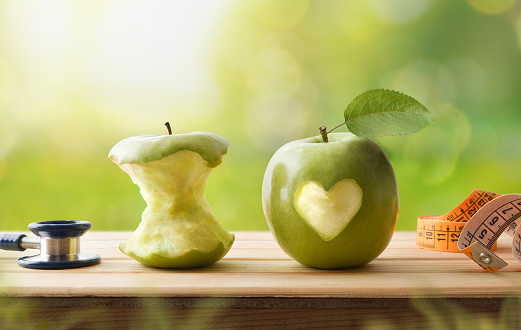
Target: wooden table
258, 285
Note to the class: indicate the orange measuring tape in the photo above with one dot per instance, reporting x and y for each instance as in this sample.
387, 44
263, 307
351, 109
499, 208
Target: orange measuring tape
484, 228
441, 233
473, 228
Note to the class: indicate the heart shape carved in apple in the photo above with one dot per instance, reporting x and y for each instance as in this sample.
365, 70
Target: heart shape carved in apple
328, 212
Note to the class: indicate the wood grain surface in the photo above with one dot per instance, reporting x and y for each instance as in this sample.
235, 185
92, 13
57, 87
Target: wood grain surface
259, 287
257, 267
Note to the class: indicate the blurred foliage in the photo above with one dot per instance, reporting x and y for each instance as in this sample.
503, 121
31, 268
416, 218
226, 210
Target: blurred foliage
78, 76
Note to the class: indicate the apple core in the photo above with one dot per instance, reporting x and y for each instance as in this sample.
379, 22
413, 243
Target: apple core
178, 228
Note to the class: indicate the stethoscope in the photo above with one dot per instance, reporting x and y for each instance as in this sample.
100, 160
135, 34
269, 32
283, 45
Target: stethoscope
59, 244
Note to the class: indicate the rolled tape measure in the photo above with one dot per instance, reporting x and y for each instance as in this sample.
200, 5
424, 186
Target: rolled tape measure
473, 228
484, 228
441, 233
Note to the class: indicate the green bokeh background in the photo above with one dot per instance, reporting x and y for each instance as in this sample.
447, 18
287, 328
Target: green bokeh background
78, 76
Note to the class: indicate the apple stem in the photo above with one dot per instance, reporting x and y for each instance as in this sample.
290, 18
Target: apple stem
167, 124
323, 132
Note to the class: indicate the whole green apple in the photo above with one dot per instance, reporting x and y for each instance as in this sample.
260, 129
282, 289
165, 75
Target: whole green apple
178, 228
331, 204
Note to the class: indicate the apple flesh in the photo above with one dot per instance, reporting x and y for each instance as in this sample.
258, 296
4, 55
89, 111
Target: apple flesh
178, 228
331, 205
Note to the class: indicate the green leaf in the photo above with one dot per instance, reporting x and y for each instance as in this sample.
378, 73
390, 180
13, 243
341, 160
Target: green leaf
380, 112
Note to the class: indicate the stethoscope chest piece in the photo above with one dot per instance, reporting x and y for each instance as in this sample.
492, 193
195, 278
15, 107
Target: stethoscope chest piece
59, 244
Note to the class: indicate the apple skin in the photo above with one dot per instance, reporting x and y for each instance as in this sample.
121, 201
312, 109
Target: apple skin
345, 156
178, 228
145, 148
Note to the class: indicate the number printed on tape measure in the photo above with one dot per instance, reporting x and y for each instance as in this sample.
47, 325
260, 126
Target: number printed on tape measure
466, 209
441, 233
491, 221
516, 246
438, 235
484, 228
516, 242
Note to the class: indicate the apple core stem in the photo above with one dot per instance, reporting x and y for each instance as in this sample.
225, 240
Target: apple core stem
323, 132
167, 124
